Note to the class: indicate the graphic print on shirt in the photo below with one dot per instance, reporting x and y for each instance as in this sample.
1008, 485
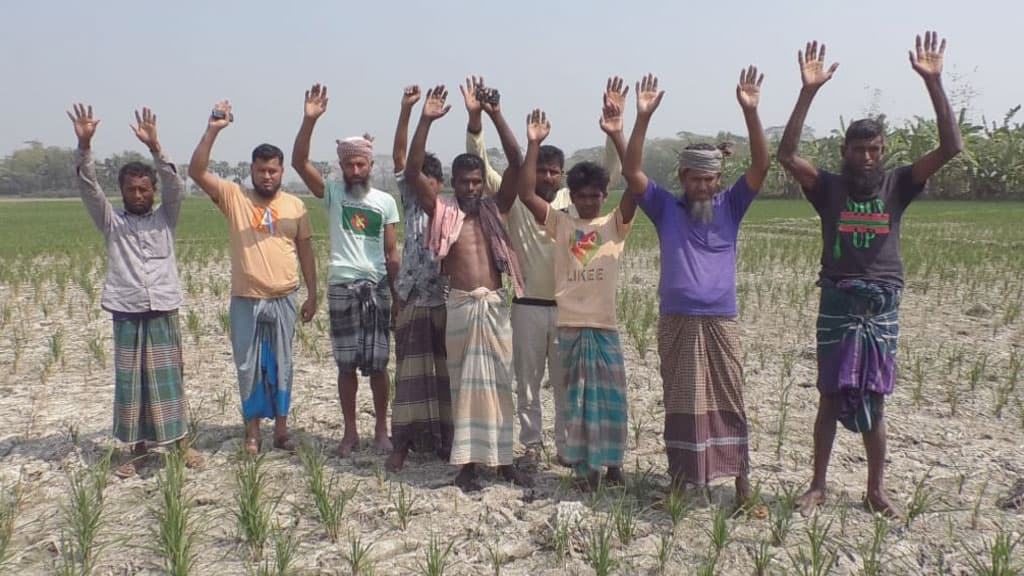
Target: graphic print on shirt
264, 219
361, 221
584, 246
864, 222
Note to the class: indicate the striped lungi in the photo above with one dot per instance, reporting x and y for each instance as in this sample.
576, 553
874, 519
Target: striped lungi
421, 412
149, 398
596, 407
858, 333
479, 346
702, 378
360, 313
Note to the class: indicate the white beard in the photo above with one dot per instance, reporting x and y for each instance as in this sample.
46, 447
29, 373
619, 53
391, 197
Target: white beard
357, 190
702, 211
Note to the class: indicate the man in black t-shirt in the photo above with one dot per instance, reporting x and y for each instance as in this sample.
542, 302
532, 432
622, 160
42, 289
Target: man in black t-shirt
861, 275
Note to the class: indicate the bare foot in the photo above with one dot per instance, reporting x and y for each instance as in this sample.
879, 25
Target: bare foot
347, 445
125, 471
252, 446
193, 459
810, 500
285, 443
614, 476
396, 460
515, 476
140, 449
382, 442
466, 479
878, 503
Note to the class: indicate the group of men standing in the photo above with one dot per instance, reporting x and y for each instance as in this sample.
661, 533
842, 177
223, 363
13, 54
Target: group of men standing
467, 364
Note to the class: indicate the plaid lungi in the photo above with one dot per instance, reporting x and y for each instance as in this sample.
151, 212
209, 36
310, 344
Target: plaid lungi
149, 399
360, 314
479, 346
421, 412
702, 378
596, 407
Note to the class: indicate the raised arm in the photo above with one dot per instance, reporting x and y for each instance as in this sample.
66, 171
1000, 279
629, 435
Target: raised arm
748, 93
171, 185
475, 132
316, 105
410, 96
813, 75
648, 97
615, 93
95, 201
537, 129
434, 107
506, 193
611, 115
927, 61
198, 167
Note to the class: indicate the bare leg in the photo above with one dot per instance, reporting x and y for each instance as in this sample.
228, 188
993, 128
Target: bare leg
467, 479
824, 436
347, 385
281, 439
252, 436
379, 384
397, 458
874, 445
614, 476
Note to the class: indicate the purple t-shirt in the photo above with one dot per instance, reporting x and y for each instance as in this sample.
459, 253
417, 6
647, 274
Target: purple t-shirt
698, 261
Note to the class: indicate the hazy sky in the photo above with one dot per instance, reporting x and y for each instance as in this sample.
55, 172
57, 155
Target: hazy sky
180, 57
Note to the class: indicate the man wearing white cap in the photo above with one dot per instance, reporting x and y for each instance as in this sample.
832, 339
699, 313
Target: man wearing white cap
364, 262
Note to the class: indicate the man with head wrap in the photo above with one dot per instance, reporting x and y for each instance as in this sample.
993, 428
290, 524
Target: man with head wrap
861, 275
698, 335
364, 261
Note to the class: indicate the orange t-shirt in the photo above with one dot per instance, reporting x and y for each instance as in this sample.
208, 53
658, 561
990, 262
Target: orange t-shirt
264, 261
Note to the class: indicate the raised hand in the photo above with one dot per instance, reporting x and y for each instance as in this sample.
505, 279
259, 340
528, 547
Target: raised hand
648, 97
473, 106
812, 65
410, 96
615, 92
537, 126
748, 91
316, 102
611, 117
224, 108
145, 129
434, 107
927, 61
85, 124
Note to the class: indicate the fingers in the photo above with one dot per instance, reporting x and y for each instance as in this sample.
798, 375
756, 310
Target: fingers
832, 69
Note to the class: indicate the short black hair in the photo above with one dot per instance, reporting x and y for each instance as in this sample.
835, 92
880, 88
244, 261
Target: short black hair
864, 129
586, 174
136, 170
548, 154
432, 168
267, 152
466, 163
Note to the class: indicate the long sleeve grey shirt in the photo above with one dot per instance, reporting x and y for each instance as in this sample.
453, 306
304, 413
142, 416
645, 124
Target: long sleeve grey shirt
142, 272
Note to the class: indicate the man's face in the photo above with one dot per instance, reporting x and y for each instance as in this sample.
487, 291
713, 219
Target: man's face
699, 185
356, 171
137, 193
588, 201
266, 176
549, 180
469, 189
862, 164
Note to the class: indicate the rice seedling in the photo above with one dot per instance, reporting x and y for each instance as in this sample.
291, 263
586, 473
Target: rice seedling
976, 509
762, 556
819, 558
599, 549
718, 534
285, 547
404, 503
175, 529
871, 555
253, 511
664, 554
11, 499
195, 325
780, 426
496, 557
436, 557
224, 321
57, 347
922, 499
780, 516
83, 518
624, 514
358, 557
330, 501
677, 506
1000, 557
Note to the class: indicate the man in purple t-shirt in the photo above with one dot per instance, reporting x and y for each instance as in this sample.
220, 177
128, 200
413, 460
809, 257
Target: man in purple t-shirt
698, 336
861, 270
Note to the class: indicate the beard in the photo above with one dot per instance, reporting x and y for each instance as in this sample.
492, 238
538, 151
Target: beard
139, 209
548, 194
470, 204
357, 188
265, 192
702, 211
863, 184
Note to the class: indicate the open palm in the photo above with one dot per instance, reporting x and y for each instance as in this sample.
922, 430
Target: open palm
648, 97
812, 66
537, 126
85, 123
316, 101
434, 107
145, 127
748, 91
928, 56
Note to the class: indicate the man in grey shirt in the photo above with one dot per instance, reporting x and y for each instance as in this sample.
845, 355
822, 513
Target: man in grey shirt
141, 290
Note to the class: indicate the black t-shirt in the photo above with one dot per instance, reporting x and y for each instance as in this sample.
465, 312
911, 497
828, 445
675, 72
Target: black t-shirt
861, 239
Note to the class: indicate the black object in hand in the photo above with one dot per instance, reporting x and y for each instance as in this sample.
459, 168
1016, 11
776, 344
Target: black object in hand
488, 95
220, 115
